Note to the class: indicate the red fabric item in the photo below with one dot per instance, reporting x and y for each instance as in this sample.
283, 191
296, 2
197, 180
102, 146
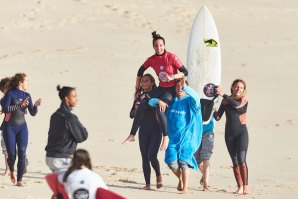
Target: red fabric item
163, 65
56, 187
107, 194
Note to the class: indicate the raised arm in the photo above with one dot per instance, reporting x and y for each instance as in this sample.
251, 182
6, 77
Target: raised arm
235, 103
195, 99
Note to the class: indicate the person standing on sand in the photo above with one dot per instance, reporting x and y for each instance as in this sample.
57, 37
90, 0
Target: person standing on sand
4, 87
185, 131
15, 131
236, 134
65, 132
166, 66
203, 154
150, 135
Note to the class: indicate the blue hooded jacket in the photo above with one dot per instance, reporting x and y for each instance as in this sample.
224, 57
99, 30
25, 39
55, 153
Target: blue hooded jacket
184, 127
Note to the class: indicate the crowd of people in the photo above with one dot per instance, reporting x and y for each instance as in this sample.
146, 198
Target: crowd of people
168, 117
178, 117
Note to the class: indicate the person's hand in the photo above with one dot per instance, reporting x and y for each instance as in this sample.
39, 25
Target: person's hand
162, 105
169, 78
130, 138
165, 143
25, 102
137, 105
37, 102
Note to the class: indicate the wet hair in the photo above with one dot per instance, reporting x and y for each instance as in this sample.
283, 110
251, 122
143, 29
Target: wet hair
157, 37
236, 81
16, 79
80, 158
140, 90
64, 91
5, 84
152, 79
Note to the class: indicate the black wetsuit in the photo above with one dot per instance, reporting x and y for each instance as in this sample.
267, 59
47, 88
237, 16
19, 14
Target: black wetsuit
150, 137
165, 94
236, 134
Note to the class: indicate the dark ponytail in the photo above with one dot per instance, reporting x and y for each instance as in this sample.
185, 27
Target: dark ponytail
157, 37
64, 91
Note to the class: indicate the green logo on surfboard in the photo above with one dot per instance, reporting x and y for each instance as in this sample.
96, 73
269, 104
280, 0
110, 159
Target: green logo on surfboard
210, 43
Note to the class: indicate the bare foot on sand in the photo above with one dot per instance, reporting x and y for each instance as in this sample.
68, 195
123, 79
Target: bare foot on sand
130, 138
205, 188
159, 182
202, 181
185, 190
147, 187
20, 184
180, 186
13, 177
245, 190
239, 190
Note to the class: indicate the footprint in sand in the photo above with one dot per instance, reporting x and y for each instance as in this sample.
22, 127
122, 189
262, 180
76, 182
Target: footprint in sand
127, 181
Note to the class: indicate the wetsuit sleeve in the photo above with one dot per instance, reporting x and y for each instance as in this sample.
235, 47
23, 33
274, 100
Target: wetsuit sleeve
132, 112
195, 99
141, 71
235, 103
78, 131
183, 70
153, 102
32, 109
218, 114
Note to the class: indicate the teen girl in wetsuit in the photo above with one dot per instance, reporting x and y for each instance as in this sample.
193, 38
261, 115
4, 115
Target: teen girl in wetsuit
150, 135
236, 134
166, 66
15, 131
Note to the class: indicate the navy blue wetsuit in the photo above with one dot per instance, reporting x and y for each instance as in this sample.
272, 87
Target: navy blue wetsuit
150, 137
15, 131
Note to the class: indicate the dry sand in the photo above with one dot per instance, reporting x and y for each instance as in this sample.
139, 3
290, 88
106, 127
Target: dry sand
98, 46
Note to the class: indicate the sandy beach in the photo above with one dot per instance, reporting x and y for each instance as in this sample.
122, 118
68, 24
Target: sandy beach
98, 46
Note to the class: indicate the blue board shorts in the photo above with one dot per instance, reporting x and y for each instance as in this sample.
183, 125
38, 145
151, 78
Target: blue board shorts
206, 148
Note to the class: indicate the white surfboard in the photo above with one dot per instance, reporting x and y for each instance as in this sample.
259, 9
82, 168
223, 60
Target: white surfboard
203, 57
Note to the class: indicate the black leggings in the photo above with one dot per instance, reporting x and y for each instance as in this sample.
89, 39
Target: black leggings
149, 147
237, 147
164, 94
